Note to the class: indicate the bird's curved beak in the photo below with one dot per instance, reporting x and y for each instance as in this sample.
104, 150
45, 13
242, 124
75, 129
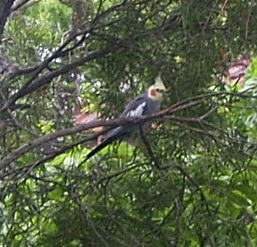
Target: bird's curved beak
167, 90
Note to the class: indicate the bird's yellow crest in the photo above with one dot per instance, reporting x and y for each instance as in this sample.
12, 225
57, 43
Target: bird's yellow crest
159, 84
157, 90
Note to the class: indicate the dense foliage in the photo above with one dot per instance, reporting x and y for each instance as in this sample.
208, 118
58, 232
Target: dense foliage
68, 66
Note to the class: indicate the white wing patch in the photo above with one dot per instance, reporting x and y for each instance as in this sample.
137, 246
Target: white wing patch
138, 111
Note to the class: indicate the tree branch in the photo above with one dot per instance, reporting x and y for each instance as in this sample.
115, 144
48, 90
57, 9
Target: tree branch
15, 154
185, 104
47, 78
5, 10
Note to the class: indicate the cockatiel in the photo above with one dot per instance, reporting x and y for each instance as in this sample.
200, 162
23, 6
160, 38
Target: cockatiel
146, 104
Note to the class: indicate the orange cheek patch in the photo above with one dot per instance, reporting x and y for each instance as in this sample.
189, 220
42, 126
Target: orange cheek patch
153, 92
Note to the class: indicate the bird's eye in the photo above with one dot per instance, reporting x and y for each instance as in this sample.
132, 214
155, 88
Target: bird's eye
160, 90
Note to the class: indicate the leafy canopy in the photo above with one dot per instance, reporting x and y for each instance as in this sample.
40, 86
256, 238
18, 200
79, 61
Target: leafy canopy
191, 182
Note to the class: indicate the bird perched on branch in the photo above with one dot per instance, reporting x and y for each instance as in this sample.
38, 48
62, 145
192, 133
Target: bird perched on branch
146, 104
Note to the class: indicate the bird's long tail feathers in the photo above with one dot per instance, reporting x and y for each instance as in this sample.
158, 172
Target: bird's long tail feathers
103, 144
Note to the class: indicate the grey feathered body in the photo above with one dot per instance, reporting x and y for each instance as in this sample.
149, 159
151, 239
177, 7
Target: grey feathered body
142, 105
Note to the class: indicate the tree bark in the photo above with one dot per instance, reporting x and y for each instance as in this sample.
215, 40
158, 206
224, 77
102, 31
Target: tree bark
5, 10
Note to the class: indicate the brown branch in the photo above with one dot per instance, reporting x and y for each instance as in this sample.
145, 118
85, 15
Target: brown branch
20, 4
47, 78
185, 104
15, 154
23, 71
5, 10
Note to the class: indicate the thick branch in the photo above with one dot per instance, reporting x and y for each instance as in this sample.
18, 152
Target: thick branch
15, 154
19, 4
47, 78
185, 104
5, 10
